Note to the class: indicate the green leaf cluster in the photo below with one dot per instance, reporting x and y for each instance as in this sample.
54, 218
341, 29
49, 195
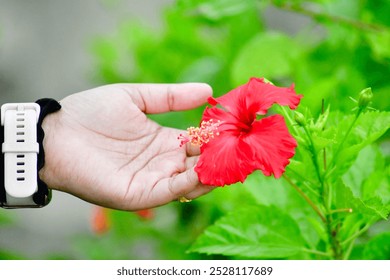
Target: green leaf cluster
343, 188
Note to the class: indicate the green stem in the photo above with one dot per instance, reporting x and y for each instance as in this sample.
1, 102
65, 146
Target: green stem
289, 119
306, 181
315, 252
314, 155
352, 240
345, 138
311, 189
335, 244
326, 193
318, 16
356, 234
328, 197
308, 200
349, 250
348, 210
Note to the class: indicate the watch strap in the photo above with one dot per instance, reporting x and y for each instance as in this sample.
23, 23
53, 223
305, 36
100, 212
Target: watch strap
23, 154
20, 149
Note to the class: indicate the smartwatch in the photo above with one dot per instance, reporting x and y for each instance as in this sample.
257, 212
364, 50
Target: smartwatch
23, 155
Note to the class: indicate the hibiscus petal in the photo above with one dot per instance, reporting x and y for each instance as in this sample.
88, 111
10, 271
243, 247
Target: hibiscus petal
235, 102
224, 160
261, 96
228, 120
256, 97
272, 145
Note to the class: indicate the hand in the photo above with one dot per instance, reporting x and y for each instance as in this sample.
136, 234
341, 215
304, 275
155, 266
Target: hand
102, 147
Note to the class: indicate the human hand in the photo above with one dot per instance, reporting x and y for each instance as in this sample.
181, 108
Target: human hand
102, 148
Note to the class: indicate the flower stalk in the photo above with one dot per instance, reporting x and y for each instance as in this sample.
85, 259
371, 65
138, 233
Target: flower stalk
325, 189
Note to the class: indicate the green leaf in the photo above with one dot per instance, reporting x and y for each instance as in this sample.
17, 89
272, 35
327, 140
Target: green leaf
378, 248
269, 55
344, 199
277, 192
321, 142
352, 223
368, 128
376, 205
368, 176
378, 184
252, 232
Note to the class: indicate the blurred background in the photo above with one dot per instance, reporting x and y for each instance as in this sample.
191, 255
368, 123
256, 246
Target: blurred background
331, 49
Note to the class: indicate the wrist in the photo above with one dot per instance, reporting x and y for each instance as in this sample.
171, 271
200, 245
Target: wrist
45, 173
47, 124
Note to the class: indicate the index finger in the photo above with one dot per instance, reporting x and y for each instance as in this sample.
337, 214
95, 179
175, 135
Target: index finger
161, 98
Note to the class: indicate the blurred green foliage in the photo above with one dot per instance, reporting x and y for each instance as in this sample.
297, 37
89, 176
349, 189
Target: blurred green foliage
342, 47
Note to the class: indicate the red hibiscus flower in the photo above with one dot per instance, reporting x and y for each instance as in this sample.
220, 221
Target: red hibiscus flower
234, 142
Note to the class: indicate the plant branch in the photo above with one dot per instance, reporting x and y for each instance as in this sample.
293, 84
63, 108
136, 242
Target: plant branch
306, 181
315, 252
344, 138
314, 155
352, 240
356, 234
319, 16
346, 210
326, 199
308, 200
349, 250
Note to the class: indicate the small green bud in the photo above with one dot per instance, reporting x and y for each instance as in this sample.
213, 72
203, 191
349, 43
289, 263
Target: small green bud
365, 98
300, 119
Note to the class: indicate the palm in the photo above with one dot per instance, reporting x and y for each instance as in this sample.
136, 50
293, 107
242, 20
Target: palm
108, 152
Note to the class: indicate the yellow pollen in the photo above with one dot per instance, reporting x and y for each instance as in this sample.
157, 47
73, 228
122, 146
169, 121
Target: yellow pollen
201, 135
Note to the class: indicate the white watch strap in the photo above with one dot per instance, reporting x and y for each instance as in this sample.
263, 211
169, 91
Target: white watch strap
20, 149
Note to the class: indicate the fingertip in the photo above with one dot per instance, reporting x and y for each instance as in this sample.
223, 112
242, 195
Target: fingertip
199, 87
161, 98
190, 95
206, 88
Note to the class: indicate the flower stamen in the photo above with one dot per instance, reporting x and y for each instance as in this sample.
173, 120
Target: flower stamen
200, 135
